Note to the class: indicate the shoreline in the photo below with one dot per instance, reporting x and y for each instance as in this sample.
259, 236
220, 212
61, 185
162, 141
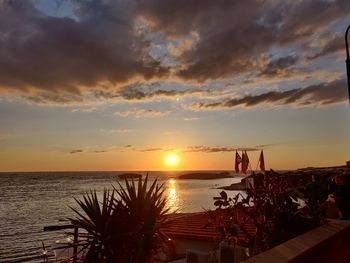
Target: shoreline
299, 176
204, 176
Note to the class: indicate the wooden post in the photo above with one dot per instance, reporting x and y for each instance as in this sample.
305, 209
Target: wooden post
44, 253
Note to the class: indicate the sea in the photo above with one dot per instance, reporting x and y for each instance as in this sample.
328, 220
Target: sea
32, 200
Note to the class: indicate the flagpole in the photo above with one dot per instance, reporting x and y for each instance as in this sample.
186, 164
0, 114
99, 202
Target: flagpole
242, 163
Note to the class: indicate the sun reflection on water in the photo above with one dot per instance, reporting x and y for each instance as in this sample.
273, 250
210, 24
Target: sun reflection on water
172, 196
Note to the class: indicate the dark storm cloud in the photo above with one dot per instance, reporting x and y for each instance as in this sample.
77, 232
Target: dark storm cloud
322, 94
50, 53
100, 46
232, 34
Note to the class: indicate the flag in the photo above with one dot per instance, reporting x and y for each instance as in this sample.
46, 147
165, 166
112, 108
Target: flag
238, 161
262, 161
245, 162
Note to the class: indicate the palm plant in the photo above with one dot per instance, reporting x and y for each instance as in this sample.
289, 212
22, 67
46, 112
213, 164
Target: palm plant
124, 226
146, 208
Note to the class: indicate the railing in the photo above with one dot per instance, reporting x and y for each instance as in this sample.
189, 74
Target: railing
75, 237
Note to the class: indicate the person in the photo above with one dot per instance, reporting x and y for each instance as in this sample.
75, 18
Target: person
314, 192
332, 186
342, 196
332, 210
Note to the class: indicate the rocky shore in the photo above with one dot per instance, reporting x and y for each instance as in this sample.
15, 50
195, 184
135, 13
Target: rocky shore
205, 176
129, 176
302, 176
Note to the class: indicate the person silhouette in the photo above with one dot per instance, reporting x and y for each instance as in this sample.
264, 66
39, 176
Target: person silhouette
342, 196
316, 193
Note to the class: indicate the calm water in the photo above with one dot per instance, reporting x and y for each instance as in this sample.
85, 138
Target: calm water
30, 201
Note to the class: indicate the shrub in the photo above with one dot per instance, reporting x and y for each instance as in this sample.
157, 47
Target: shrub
271, 207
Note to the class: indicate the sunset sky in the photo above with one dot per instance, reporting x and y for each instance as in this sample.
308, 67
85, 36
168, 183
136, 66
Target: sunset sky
121, 85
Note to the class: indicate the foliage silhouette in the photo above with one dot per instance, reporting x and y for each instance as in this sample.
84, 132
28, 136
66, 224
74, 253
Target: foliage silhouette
124, 227
271, 207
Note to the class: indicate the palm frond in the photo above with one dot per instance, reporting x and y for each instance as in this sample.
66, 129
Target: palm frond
123, 224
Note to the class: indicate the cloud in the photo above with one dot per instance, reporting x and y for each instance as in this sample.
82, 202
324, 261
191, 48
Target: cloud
55, 54
109, 49
188, 149
208, 149
191, 119
141, 113
89, 109
123, 130
202, 149
321, 94
100, 151
76, 151
137, 93
232, 34
151, 149
51, 98
279, 66
330, 43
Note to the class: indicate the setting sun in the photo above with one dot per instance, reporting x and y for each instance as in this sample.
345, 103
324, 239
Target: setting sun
171, 159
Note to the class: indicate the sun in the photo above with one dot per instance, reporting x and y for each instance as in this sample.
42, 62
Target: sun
171, 159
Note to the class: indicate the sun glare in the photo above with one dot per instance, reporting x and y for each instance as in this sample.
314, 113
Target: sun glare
171, 159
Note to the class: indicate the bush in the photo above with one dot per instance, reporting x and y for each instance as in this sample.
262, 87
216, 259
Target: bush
271, 207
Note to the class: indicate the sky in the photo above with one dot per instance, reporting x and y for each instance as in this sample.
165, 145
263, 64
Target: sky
121, 85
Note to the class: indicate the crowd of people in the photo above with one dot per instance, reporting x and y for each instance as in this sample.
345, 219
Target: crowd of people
335, 200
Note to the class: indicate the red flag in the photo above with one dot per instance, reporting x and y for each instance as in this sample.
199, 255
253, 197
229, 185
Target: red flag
262, 161
245, 162
238, 160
